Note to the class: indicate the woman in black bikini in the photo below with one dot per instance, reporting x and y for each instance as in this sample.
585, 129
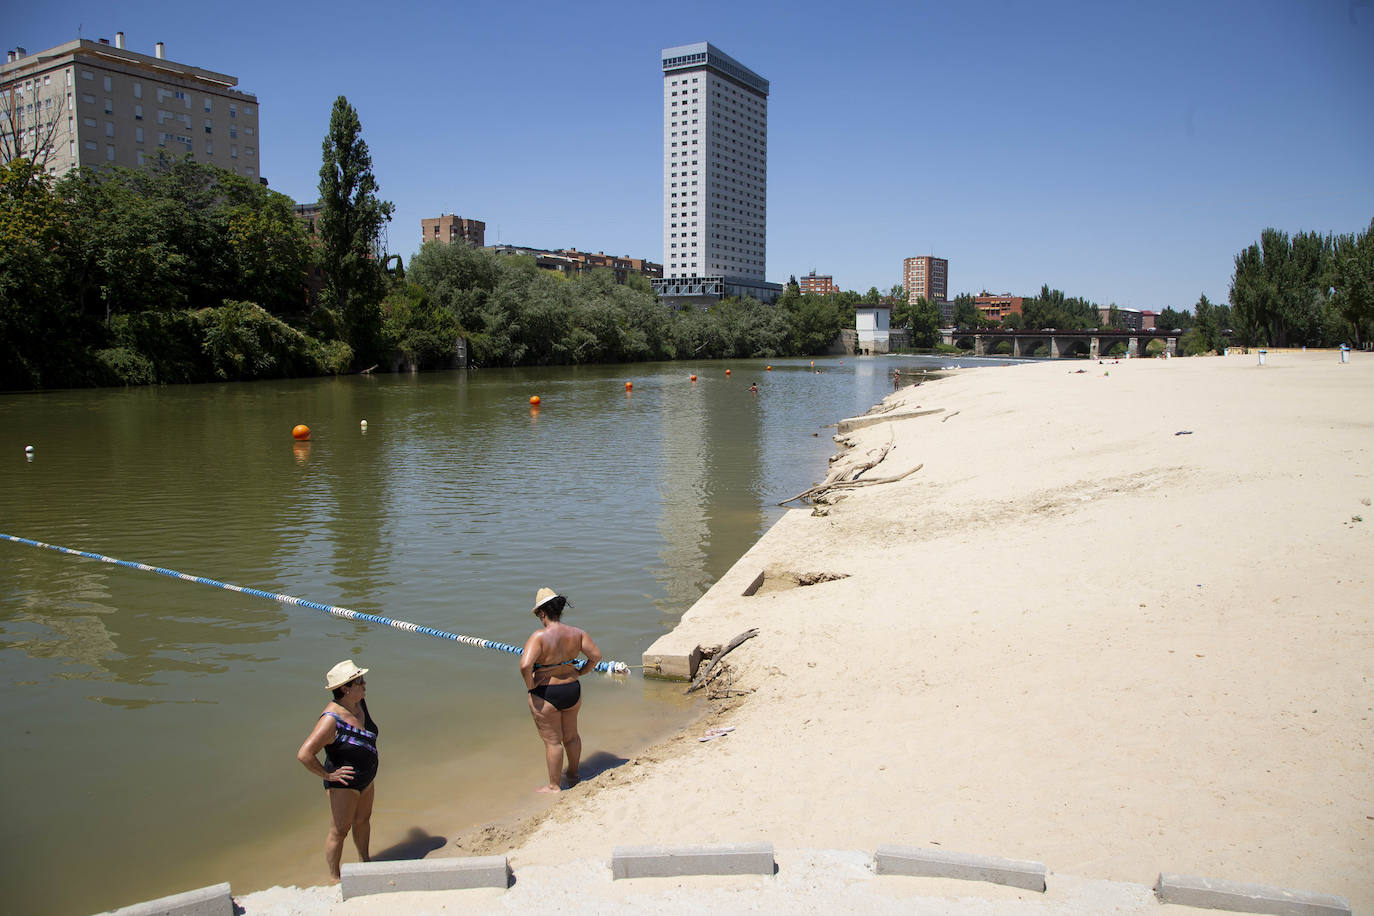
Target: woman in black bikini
555, 695
348, 736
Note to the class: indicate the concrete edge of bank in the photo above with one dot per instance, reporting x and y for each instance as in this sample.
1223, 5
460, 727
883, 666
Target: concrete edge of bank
757, 859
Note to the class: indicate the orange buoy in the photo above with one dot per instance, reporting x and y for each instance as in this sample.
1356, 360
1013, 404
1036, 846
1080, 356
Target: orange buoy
727, 371
534, 400
769, 368
301, 433
694, 378
629, 386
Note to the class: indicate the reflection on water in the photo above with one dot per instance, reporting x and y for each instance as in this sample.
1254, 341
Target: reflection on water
136, 705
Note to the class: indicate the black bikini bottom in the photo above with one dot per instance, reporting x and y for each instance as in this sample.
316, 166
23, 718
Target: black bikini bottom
562, 696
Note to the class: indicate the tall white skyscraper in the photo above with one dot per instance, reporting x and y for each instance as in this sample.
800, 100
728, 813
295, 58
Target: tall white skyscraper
715, 178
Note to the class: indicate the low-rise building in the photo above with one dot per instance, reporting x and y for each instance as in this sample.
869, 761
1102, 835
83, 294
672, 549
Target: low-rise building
995, 307
571, 262
815, 284
873, 322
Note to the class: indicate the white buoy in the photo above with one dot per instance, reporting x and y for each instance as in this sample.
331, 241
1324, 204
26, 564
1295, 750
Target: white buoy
28, 450
364, 424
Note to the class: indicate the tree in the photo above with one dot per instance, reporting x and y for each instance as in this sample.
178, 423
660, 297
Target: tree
32, 122
351, 222
966, 314
1205, 334
1353, 283
925, 322
1280, 288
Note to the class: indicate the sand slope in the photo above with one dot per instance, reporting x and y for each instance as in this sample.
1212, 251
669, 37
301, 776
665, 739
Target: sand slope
1073, 636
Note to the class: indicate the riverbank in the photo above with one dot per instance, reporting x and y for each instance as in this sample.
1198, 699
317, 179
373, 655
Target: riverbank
1118, 622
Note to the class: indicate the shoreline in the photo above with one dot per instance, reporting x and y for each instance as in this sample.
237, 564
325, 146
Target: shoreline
1118, 622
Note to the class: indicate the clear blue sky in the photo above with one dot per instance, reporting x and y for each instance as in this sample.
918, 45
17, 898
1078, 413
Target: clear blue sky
1123, 152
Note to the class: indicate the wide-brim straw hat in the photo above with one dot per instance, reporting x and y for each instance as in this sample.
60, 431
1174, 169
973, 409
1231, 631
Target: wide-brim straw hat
544, 596
342, 673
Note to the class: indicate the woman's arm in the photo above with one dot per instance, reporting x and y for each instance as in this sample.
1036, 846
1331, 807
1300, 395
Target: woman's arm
593, 654
309, 754
527, 659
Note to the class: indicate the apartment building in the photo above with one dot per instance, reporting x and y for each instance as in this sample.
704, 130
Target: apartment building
926, 277
571, 262
996, 307
93, 103
448, 227
715, 178
815, 284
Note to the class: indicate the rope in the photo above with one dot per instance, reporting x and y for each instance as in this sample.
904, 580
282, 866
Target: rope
604, 665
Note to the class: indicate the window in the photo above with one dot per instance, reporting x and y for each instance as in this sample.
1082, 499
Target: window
138, 112
138, 90
233, 110
209, 104
88, 122
247, 109
139, 153
87, 98
89, 144
109, 106
209, 147
109, 128
108, 84
248, 151
109, 153
233, 152
209, 126
87, 75
233, 130
138, 134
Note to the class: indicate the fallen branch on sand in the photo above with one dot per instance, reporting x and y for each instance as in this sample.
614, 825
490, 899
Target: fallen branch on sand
704, 676
845, 478
947, 416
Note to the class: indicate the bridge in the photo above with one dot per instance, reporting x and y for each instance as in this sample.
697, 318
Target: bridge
1057, 344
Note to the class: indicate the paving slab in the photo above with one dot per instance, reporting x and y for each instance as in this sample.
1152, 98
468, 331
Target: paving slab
214, 900
1216, 894
935, 863
457, 873
675, 861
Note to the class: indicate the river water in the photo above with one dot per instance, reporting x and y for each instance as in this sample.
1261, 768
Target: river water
151, 724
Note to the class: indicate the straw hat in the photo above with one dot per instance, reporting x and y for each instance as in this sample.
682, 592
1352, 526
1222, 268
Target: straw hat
544, 596
342, 673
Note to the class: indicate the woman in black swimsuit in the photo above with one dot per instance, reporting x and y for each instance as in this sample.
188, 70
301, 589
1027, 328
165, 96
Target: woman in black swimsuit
555, 695
348, 736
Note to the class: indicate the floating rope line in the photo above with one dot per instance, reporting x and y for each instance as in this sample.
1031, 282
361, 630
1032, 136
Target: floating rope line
605, 665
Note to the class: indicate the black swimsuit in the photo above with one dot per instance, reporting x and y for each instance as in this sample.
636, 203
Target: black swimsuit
562, 696
354, 747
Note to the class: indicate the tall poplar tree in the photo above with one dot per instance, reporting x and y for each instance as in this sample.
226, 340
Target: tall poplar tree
351, 221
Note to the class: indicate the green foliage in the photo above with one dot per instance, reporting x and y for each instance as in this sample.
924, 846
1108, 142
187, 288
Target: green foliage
417, 332
966, 314
125, 367
1012, 321
1281, 289
242, 342
1353, 281
1052, 309
350, 225
925, 323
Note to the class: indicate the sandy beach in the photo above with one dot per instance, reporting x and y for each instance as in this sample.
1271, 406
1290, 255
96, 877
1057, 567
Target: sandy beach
1120, 621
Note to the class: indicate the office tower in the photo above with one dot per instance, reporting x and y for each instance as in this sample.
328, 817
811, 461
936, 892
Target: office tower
715, 177
90, 103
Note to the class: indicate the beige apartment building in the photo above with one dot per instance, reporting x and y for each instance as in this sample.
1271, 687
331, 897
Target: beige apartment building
450, 228
93, 103
926, 277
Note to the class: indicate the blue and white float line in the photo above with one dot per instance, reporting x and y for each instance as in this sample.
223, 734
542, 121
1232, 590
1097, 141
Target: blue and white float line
605, 665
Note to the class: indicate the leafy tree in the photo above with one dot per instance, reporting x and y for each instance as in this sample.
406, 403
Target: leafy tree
1011, 321
966, 314
925, 323
351, 220
1170, 318
1280, 287
1353, 282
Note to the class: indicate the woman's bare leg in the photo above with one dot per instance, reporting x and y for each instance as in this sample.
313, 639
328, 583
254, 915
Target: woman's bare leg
549, 721
572, 741
362, 822
342, 805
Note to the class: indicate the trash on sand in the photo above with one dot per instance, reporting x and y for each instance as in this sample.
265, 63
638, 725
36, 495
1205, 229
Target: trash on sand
716, 732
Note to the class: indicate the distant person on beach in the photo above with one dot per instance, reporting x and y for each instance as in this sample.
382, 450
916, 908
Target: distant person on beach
348, 736
754, 388
555, 694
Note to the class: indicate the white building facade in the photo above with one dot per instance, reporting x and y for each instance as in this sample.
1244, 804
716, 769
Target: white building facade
92, 103
715, 178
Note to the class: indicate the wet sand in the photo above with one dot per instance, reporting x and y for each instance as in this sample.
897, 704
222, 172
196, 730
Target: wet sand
1119, 622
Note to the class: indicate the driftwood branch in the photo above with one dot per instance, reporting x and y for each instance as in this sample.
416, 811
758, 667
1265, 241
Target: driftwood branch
704, 676
947, 416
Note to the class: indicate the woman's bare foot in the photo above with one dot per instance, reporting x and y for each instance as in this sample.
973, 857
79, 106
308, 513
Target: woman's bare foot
549, 789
